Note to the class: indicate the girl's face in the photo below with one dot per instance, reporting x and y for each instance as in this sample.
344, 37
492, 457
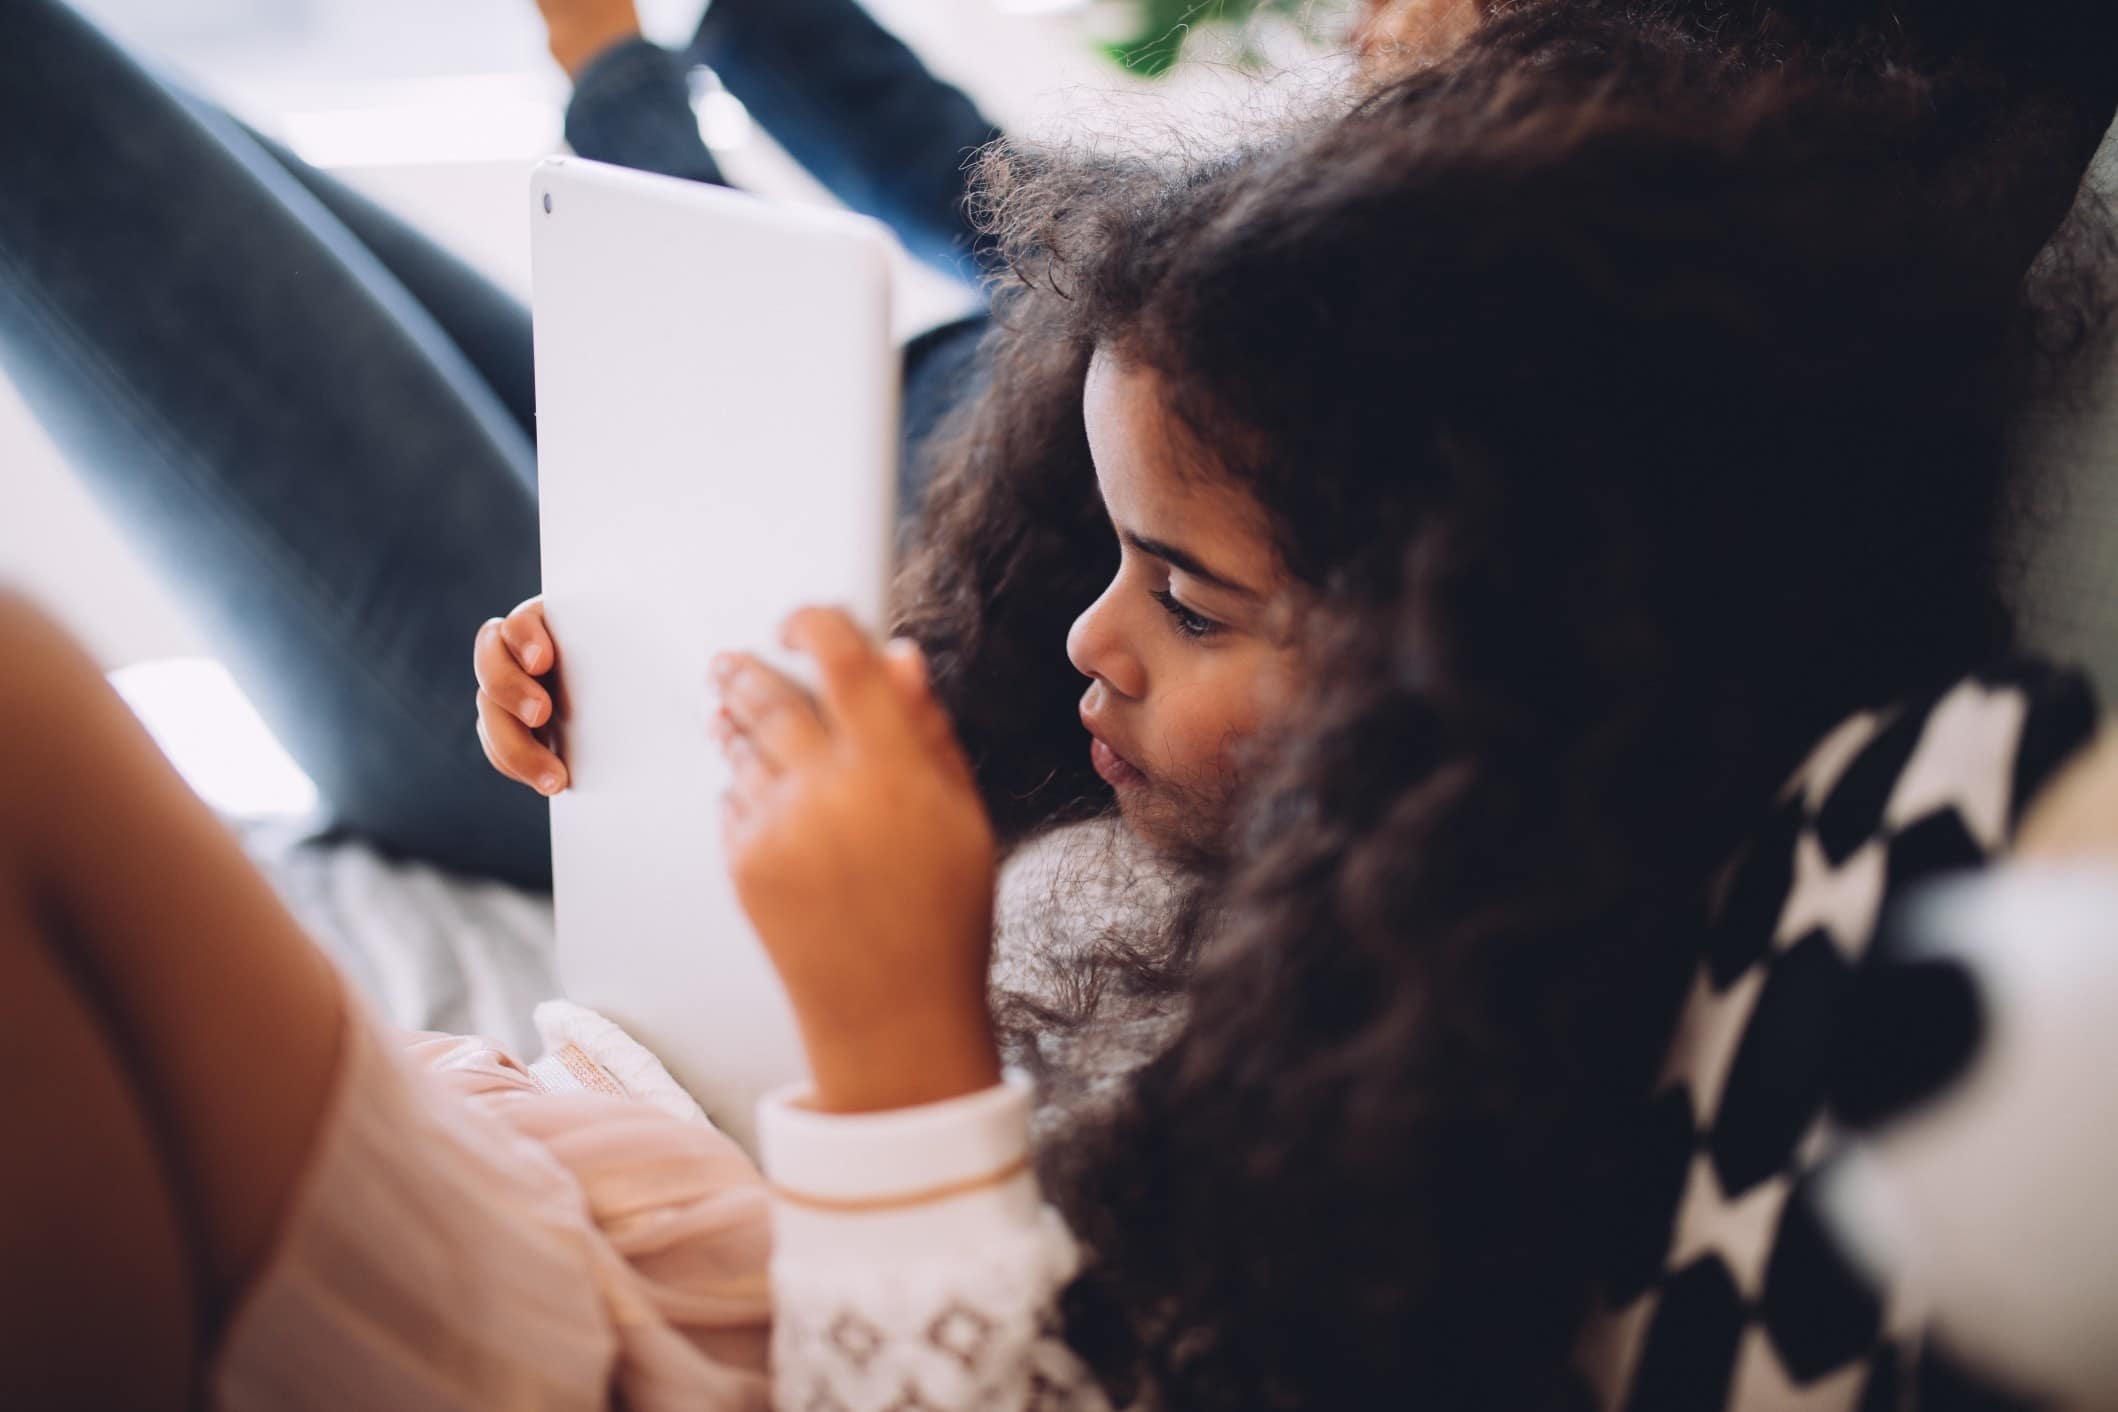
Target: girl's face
1185, 652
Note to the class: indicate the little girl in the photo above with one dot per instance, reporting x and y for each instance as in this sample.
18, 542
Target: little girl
1465, 516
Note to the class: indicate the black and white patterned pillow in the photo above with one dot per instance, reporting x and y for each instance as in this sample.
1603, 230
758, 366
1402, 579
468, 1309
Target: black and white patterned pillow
1725, 1290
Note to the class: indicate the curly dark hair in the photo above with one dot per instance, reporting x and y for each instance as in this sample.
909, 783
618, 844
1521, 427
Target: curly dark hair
1634, 406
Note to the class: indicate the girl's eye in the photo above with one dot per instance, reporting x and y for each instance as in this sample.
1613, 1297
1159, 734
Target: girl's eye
1188, 623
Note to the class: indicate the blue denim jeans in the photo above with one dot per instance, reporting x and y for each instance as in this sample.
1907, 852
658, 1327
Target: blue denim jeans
318, 423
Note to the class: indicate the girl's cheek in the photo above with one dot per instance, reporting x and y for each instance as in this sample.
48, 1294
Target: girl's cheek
1213, 740
1202, 727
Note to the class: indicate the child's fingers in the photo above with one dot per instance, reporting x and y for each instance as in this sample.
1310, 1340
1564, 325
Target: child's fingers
502, 678
751, 766
776, 714
738, 822
747, 765
514, 749
906, 667
528, 638
858, 694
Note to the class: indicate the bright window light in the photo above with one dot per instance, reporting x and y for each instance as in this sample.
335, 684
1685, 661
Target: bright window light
473, 118
215, 737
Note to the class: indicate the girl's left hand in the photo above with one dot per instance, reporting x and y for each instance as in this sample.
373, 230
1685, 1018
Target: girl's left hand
861, 851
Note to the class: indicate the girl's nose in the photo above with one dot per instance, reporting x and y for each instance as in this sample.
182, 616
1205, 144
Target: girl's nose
1097, 648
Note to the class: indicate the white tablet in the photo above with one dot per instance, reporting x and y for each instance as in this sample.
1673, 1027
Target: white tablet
716, 445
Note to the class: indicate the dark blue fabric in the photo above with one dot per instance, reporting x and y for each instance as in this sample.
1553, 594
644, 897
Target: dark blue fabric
327, 455
942, 367
860, 112
631, 107
841, 94
320, 425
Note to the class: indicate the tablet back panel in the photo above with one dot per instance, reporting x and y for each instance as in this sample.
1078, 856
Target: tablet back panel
716, 433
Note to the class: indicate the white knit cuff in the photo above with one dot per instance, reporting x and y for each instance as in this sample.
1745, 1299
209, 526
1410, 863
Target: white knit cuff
900, 1184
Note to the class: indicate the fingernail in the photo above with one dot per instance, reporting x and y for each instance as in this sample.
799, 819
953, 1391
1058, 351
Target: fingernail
549, 784
532, 712
533, 657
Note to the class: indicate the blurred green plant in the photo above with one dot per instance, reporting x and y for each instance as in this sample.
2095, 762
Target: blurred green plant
1164, 25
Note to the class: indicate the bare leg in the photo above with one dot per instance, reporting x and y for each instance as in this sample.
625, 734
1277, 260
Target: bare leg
170, 1036
94, 1261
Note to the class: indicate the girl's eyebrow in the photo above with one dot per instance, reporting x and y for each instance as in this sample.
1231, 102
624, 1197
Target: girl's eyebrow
1179, 559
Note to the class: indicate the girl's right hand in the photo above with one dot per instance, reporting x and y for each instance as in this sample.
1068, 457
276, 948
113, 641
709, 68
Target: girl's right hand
508, 656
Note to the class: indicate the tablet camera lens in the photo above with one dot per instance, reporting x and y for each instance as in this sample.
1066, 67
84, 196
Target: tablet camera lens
547, 203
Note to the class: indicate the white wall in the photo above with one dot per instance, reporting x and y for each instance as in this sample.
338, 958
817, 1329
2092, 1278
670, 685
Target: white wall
55, 542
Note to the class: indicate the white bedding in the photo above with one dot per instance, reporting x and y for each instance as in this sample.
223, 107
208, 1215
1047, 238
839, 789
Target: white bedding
432, 950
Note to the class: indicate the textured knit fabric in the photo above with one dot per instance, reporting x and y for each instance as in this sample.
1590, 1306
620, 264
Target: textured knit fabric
1062, 897
1726, 1291
1995, 1183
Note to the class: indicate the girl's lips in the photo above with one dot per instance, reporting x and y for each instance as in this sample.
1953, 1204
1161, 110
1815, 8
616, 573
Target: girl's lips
1115, 769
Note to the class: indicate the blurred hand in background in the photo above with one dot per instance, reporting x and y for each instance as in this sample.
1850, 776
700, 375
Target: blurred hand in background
1392, 33
582, 29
